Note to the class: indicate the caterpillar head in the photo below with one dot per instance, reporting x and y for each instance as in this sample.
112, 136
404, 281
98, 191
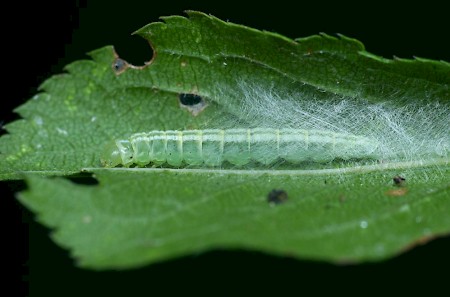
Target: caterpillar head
111, 156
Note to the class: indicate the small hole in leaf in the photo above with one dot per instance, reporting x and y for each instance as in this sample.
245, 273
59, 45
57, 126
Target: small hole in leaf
192, 102
190, 99
119, 65
277, 196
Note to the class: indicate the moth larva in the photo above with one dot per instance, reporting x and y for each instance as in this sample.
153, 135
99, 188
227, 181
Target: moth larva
237, 146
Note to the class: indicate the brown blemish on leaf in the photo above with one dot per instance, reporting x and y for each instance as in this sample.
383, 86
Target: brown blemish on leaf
397, 192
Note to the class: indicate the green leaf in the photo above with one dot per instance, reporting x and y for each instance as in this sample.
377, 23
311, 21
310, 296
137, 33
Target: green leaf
155, 214
342, 210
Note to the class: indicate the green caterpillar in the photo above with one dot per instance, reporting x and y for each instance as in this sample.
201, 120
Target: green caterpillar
237, 146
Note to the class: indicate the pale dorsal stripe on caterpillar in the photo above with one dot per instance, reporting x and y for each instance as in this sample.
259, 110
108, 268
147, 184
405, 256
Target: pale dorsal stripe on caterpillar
237, 146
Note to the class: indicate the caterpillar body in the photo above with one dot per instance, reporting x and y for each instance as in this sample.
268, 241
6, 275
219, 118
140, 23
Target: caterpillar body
237, 146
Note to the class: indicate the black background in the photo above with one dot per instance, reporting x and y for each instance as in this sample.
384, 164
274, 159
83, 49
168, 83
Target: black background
40, 38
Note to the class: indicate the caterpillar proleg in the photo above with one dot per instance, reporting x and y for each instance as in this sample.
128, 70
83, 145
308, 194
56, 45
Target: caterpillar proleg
212, 147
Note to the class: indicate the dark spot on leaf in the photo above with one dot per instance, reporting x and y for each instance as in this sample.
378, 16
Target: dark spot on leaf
277, 196
399, 181
192, 102
119, 65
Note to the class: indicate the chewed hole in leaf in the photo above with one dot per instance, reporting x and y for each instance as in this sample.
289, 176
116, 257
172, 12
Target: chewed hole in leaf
192, 102
136, 51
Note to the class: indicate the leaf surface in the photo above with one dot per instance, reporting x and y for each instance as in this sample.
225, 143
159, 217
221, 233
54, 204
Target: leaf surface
162, 213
